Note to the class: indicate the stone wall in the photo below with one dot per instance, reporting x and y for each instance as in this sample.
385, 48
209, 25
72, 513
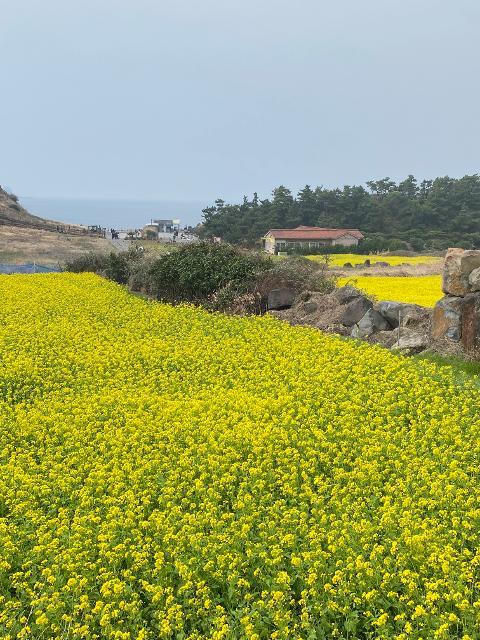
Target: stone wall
453, 328
456, 317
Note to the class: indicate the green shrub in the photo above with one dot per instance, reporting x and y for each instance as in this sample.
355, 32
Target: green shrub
114, 266
139, 278
87, 262
298, 274
216, 276
196, 272
295, 273
117, 267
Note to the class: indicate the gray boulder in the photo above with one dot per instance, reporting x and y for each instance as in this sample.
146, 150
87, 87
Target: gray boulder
447, 319
346, 294
457, 319
459, 265
474, 279
416, 316
471, 323
280, 298
348, 265
391, 311
411, 341
355, 310
380, 263
401, 313
372, 322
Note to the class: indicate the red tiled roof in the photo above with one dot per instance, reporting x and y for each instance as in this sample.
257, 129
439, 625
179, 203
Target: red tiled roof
313, 233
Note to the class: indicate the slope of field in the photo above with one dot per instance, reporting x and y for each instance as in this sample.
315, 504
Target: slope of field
339, 259
13, 214
28, 238
170, 473
423, 290
21, 244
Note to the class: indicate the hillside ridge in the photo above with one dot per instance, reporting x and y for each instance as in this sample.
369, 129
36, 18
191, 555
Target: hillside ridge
12, 213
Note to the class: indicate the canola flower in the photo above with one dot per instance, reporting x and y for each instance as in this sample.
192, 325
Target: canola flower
339, 259
170, 473
423, 290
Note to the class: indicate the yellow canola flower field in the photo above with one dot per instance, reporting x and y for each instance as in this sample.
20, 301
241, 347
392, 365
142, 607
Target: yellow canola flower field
170, 473
339, 259
423, 290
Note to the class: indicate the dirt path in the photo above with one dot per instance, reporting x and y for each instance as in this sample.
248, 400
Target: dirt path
118, 243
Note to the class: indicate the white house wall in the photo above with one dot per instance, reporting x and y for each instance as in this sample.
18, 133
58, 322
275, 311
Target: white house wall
345, 241
270, 245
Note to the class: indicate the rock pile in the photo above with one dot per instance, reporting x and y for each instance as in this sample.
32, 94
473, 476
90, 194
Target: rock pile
452, 328
347, 311
456, 317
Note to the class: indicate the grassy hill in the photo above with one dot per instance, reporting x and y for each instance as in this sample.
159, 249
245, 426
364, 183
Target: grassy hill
13, 214
22, 244
26, 238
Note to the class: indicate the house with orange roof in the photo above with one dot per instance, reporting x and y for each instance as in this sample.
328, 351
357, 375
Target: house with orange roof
308, 238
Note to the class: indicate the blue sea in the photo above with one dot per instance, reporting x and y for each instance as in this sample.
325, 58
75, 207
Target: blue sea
119, 214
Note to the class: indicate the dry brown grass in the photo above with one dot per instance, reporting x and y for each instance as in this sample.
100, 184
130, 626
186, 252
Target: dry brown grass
18, 244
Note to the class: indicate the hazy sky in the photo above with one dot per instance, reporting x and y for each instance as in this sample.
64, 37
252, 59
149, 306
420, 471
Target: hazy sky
190, 99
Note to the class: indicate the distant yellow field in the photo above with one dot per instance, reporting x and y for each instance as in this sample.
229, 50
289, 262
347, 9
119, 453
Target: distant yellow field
423, 290
339, 259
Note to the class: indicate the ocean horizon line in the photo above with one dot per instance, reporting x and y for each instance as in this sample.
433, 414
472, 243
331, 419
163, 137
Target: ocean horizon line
113, 213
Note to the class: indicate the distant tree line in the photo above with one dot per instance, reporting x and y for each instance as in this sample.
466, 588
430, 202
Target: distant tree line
432, 214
